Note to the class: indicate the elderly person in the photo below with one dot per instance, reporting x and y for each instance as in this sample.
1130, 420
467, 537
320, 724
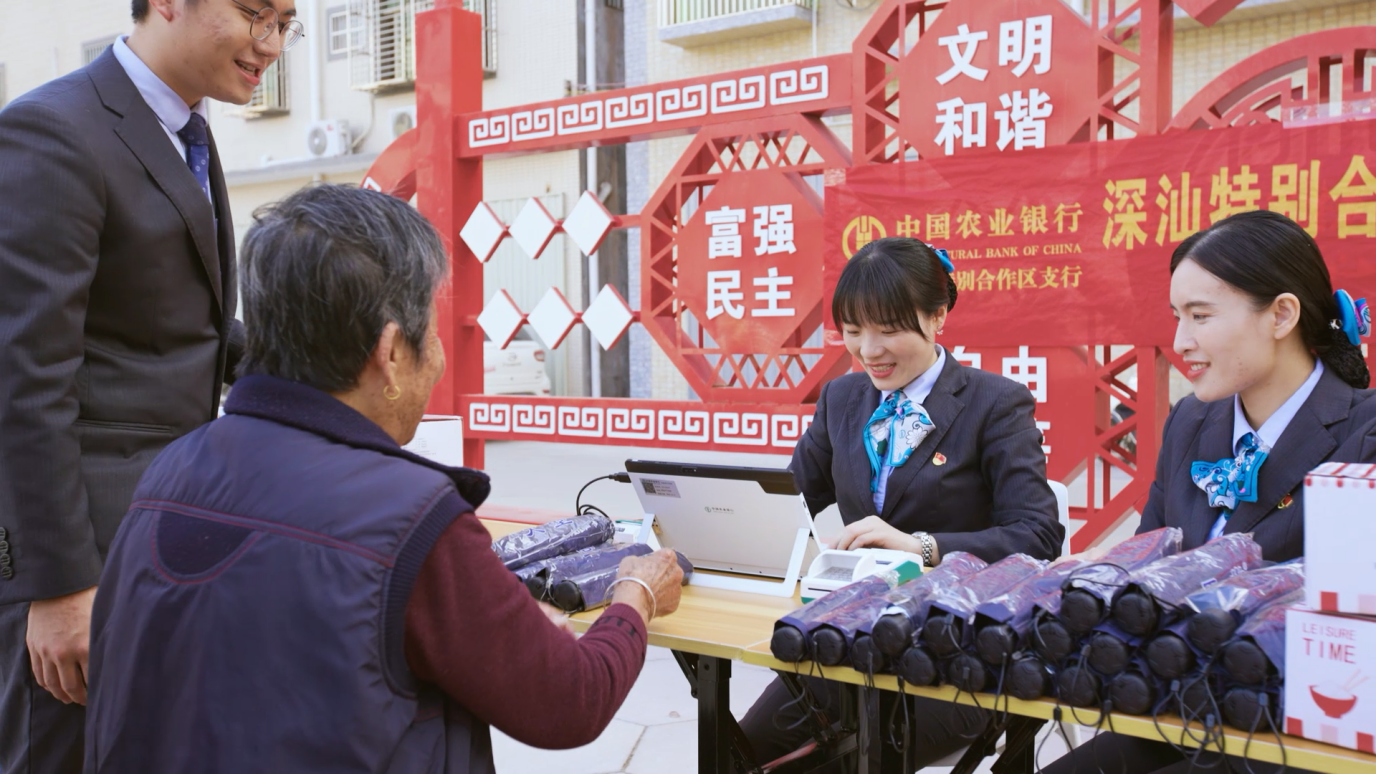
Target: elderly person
292, 591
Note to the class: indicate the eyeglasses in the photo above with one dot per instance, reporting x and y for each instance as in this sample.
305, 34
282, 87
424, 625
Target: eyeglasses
266, 21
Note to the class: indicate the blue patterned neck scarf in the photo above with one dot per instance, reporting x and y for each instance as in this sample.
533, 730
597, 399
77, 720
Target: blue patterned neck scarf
894, 430
1230, 481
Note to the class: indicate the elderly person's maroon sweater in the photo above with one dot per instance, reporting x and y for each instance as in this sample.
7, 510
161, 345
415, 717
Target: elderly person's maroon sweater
472, 631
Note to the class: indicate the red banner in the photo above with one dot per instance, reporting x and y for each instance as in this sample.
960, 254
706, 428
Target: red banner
1071, 245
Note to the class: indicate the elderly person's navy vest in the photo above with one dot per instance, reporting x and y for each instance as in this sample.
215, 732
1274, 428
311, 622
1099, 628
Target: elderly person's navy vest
267, 561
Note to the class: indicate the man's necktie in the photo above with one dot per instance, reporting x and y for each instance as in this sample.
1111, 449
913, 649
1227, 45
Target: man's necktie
894, 430
1231, 481
197, 140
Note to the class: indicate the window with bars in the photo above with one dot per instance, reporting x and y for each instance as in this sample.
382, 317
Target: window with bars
271, 97
91, 50
345, 32
385, 59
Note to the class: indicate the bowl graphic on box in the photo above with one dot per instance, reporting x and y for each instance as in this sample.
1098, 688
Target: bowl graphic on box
1333, 699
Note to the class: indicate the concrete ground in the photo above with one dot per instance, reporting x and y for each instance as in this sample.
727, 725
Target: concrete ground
655, 732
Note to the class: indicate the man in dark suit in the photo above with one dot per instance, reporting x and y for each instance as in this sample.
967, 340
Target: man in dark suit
117, 330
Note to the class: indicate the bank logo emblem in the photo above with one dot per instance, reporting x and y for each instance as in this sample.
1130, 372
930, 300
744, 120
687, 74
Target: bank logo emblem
860, 232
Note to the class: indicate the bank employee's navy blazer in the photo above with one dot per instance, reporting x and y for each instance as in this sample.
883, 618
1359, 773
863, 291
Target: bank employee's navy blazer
989, 497
1334, 424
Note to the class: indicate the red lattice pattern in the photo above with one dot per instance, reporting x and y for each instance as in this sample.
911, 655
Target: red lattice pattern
1310, 70
796, 146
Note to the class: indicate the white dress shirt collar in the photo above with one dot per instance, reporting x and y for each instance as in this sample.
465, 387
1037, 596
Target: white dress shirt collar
1271, 429
170, 109
919, 388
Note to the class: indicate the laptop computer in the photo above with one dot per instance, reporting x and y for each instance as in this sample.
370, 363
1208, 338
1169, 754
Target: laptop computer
725, 518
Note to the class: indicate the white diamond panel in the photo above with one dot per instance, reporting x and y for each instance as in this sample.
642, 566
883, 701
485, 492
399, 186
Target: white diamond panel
608, 317
589, 223
501, 318
533, 228
483, 232
552, 318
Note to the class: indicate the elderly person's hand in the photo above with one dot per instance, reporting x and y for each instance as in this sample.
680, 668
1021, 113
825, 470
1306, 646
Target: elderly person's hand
661, 572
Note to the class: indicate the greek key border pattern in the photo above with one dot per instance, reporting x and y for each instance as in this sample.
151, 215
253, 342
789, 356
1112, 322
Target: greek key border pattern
637, 425
792, 86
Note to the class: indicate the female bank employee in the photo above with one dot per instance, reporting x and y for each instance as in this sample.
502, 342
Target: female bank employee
920, 454
1279, 388
1279, 384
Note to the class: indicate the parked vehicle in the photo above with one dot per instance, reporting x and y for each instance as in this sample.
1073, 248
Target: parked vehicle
517, 370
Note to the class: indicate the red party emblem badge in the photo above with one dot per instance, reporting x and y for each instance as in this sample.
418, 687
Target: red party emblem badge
938, 459
1286, 502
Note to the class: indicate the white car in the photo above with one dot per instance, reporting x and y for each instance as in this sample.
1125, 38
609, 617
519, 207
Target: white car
517, 370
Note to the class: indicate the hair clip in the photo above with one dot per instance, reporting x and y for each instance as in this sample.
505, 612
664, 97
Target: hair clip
944, 256
1354, 317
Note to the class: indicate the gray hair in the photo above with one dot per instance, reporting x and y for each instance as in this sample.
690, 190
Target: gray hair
323, 271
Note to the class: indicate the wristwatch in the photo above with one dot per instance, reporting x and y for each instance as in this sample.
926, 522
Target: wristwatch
929, 554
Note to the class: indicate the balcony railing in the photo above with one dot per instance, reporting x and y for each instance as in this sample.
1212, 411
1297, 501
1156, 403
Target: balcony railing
687, 11
386, 59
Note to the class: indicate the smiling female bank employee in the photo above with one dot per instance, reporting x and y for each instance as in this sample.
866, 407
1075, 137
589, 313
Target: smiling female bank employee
1279, 388
920, 453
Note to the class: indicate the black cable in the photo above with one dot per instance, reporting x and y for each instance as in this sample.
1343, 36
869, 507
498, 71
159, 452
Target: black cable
623, 477
863, 745
590, 508
1108, 715
893, 718
998, 691
1247, 745
1037, 750
1173, 693
1280, 740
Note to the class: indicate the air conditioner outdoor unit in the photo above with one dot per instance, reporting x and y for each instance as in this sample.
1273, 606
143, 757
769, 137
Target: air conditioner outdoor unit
402, 120
328, 138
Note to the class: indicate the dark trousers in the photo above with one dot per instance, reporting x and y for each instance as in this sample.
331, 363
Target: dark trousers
1122, 754
38, 734
936, 728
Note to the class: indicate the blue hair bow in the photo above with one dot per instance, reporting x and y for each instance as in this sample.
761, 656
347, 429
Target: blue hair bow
1353, 316
944, 256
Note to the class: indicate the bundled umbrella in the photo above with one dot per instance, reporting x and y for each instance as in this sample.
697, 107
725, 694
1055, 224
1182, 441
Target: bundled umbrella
1155, 594
560, 569
1256, 654
1028, 676
535, 575
1214, 615
1087, 595
592, 589
1220, 609
1134, 690
950, 613
792, 639
1110, 650
1153, 597
559, 537
571, 562
891, 632
1002, 624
